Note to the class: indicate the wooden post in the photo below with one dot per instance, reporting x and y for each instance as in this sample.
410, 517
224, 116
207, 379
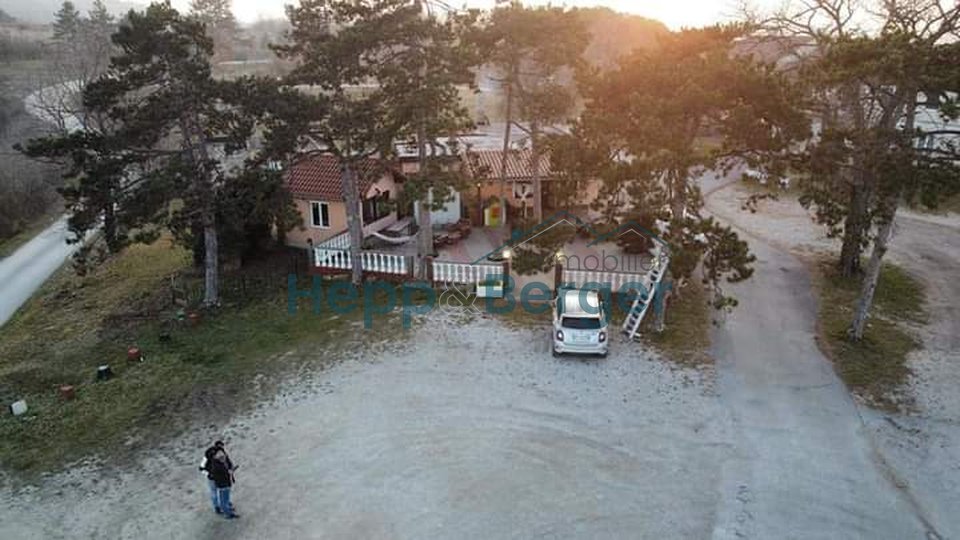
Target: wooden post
557, 277
506, 274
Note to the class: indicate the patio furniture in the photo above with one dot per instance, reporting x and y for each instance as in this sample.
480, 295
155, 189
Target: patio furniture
400, 226
464, 228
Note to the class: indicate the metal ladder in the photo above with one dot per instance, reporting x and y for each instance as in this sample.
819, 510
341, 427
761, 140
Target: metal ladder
631, 326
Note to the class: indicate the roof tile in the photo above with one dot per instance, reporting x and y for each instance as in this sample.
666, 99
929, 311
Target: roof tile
487, 163
317, 175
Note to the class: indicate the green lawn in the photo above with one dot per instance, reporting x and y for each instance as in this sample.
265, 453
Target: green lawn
201, 373
875, 368
686, 336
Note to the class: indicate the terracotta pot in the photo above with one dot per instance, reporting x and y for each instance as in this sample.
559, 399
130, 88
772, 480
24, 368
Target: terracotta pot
67, 392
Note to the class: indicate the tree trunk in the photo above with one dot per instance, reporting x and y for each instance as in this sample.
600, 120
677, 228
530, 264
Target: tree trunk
664, 293
211, 263
425, 219
678, 201
870, 279
889, 206
535, 164
110, 226
425, 235
856, 224
351, 198
204, 187
197, 249
425, 204
506, 153
854, 228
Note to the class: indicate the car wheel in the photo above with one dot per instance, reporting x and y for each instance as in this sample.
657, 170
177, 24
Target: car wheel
555, 353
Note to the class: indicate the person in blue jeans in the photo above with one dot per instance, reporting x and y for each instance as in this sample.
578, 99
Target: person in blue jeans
205, 468
222, 475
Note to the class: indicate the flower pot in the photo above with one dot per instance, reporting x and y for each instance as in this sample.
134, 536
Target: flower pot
67, 392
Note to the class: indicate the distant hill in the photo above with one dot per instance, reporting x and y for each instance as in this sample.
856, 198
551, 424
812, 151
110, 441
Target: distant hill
41, 11
618, 34
5, 18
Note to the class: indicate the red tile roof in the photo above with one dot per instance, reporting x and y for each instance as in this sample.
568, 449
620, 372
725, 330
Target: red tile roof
317, 176
487, 164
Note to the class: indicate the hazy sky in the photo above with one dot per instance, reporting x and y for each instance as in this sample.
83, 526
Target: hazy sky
674, 13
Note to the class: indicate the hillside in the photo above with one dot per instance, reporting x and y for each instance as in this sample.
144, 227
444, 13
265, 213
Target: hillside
41, 11
617, 34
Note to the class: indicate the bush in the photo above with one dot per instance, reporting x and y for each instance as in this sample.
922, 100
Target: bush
23, 197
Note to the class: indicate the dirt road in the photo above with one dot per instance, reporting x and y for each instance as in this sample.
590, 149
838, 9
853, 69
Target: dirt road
897, 470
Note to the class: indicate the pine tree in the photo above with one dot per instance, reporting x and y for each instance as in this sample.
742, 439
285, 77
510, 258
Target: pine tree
414, 62
167, 128
99, 26
66, 23
535, 51
639, 131
442, 53
220, 23
870, 157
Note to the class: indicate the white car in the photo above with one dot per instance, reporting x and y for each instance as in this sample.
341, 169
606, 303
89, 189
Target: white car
579, 323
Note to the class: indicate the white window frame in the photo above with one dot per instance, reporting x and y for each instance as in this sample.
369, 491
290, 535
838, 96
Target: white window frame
321, 204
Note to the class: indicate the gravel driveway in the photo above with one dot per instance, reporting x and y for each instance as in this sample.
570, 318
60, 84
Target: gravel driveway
462, 431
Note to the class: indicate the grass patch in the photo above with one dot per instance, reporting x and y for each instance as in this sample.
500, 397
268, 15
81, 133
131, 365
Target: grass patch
686, 336
875, 368
949, 205
192, 373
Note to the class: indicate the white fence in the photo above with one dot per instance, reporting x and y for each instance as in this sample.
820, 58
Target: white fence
466, 274
381, 263
340, 241
600, 279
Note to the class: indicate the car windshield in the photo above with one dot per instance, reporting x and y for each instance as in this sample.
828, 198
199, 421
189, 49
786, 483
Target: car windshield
581, 323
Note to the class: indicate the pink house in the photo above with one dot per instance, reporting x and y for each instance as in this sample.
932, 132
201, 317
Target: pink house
314, 182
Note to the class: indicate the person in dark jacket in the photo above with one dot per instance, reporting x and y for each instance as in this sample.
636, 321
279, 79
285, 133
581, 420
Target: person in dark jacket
222, 475
205, 466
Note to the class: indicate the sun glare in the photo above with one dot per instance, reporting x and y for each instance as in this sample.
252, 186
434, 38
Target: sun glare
675, 14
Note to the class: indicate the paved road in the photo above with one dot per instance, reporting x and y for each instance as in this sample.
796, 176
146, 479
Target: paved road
24, 271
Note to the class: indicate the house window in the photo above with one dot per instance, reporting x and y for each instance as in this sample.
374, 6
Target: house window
320, 215
377, 207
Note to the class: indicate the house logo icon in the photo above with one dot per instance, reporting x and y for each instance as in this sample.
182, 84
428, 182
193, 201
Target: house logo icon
564, 219
628, 229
